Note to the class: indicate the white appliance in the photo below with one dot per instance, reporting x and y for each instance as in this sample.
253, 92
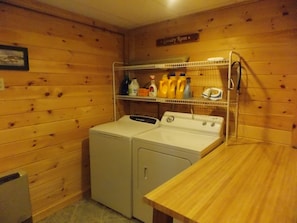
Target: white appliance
15, 202
111, 160
161, 153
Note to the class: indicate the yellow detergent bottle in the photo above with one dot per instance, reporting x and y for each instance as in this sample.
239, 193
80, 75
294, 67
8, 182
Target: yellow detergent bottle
171, 86
163, 87
180, 86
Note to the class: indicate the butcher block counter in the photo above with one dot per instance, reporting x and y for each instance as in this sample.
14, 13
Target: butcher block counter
239, 183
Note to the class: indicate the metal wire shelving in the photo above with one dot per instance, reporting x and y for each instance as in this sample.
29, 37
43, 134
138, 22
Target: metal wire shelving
233, 57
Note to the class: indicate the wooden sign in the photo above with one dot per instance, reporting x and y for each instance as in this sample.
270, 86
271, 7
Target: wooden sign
178, 39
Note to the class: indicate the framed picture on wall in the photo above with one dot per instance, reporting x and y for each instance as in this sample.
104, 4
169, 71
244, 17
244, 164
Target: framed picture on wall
13, 58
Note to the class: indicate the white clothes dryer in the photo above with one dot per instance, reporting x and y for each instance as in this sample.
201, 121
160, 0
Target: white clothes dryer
111, 160
161, 153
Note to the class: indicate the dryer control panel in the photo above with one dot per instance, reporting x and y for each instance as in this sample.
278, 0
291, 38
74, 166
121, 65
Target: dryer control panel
193, 122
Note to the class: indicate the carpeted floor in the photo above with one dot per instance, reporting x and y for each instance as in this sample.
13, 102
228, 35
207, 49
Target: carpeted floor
87, 211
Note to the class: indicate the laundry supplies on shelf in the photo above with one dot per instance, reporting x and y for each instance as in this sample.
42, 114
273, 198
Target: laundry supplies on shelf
180, 86
133, 87
213, 94
163, 87
171, 85
124, 89
188, 91
152, 87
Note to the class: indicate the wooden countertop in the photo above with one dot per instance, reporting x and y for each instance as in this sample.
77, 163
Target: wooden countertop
248, 182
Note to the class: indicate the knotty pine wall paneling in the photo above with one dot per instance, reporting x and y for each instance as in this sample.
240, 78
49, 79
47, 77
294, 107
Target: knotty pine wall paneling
265, 34
46, 112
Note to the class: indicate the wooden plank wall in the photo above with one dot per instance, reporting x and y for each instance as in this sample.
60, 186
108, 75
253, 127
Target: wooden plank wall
265, 34
46, 112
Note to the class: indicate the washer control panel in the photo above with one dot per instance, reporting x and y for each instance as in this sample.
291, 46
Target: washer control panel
145, 119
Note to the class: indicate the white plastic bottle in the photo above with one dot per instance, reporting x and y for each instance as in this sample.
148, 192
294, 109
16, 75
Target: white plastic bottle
187, 91
133, 87
153, 87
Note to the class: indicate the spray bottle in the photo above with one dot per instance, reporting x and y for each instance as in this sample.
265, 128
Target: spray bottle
153, 87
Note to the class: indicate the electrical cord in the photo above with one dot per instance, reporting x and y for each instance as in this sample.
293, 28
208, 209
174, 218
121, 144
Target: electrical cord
238, 74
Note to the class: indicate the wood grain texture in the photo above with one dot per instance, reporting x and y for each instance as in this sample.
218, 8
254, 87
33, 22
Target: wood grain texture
33, 5
265, 35
246, 182
46, 112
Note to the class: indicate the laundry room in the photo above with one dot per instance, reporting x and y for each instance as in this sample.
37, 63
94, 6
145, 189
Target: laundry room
62, 73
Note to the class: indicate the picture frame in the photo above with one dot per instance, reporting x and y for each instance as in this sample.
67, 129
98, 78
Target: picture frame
13, 58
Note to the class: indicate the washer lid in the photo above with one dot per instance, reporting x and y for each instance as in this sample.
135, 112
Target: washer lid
127, 126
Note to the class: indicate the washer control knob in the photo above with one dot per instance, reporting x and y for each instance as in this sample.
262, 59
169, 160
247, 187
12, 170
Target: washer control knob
213, 124
204, 123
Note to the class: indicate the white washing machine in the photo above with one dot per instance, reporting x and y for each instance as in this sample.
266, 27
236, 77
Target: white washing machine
161, 153
111, 160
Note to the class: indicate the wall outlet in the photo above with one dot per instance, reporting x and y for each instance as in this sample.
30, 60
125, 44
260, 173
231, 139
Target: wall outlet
2, 86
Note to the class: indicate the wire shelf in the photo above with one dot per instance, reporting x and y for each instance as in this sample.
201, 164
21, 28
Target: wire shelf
190, 101
193, 64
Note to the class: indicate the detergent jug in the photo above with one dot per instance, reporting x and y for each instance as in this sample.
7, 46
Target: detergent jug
171, 86
133, 87
180, 86
163, 87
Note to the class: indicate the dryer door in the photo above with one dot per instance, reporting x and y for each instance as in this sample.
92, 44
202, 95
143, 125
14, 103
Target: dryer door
153, 169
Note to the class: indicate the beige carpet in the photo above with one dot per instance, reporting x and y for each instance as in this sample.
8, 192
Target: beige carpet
87, 211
